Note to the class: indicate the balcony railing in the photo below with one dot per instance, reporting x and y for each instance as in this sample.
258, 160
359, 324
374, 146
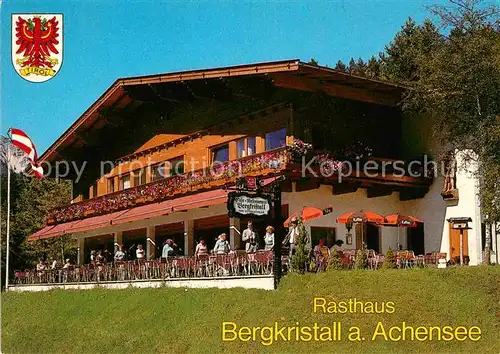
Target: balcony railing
217, 175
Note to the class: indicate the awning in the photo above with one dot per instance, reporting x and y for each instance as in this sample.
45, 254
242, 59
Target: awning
218, 196
95, 222
52, 231
199, 200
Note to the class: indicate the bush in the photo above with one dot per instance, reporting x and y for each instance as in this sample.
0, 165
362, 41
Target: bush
335, 261
301, 257
361, 261
389, 262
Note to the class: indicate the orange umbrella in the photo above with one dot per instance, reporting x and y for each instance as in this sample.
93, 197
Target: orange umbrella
361, 217
308, 213
401, 220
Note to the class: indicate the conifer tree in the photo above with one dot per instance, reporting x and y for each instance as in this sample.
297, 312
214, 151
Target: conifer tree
301, 256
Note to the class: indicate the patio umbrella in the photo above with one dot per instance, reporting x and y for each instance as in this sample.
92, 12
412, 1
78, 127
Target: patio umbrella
398, 220
308, 213
361, 217
401, 220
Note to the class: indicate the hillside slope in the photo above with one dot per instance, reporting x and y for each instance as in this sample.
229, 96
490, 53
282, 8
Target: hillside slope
190, 321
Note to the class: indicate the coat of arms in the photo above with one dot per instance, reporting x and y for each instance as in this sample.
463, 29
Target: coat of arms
37, 45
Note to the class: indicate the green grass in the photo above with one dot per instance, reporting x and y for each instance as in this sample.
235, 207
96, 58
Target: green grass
169, 320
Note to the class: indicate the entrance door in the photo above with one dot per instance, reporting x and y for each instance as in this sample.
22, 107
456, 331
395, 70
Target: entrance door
415, 240
373, 237
455, 243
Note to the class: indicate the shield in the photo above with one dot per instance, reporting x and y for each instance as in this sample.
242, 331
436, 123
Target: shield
37, 45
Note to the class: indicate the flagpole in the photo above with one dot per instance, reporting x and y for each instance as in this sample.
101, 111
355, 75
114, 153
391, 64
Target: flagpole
7, 248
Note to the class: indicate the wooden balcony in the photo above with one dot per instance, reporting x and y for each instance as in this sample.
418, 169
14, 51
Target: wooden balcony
378, 181
217, 176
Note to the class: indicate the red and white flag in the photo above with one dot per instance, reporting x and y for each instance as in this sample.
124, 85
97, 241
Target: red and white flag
23, 141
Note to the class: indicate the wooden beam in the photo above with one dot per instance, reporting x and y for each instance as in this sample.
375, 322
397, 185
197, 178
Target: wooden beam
344, 188
378, 191
307, 184
291, 81
412, 193
286, 186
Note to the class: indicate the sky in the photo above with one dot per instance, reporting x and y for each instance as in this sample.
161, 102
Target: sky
105, 40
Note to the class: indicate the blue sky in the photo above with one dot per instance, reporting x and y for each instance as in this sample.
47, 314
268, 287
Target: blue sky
106, 40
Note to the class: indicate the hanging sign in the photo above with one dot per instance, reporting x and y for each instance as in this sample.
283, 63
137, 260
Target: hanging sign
328, 210
241, 204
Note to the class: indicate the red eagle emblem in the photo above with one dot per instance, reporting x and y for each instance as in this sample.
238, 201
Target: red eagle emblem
37, 51
37, 38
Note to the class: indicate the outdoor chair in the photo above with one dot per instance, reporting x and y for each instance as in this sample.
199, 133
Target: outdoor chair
379, 260
371, 256
20, 277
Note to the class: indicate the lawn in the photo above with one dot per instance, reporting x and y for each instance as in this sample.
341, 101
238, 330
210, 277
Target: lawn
170, 320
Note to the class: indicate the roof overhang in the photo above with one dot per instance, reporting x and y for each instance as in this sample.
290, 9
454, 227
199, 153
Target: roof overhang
289, 74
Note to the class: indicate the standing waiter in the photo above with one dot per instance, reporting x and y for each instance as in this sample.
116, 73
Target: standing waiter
250, 238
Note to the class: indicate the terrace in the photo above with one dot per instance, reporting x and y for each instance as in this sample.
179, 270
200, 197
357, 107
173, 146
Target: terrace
236, 264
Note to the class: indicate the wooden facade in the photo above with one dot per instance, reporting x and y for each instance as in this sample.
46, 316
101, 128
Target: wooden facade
190, 118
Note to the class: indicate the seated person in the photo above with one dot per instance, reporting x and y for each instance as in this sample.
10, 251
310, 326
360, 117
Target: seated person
337, 246
321, 252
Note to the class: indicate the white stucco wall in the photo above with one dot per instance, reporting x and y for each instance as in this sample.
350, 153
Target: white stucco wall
420, 139
344, 203
265, 282
435, 212
432, 209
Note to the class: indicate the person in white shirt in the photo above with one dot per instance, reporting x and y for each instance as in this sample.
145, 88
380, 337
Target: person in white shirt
201, 249
54, 264
67, 264
337, 246
249, 236
291, 238
41, 266
139, 252
269, 238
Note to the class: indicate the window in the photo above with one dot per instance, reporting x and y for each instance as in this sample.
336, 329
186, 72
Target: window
94, 191
220, 154
245, 147
175, 166
111, 185
327, 233
139, 177
276, 139
158, 172
124, 182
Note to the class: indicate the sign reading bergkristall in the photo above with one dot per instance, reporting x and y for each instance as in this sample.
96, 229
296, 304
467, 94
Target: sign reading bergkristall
244, 204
